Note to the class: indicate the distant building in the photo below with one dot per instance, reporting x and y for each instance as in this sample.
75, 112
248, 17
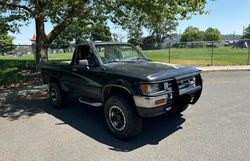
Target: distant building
232, 37
33, 44
33, 39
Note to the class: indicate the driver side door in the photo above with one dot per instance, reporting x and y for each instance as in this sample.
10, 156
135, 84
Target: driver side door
86, 77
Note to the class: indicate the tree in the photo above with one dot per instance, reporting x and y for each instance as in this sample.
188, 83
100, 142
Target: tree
62, 41
135, 35
149, 39
212, 34
79, 33
61, 12
117, 37
100, 32
246, 33
192, 34
162, 30
134, 29
6, 42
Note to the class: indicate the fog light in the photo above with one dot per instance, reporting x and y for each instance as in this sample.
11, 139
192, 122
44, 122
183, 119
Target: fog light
160, 101
168, 108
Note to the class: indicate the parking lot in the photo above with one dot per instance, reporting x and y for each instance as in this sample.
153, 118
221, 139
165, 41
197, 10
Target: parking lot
216, 128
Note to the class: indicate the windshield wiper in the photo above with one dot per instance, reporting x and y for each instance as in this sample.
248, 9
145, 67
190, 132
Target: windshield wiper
113, 61
139, 58
134, 59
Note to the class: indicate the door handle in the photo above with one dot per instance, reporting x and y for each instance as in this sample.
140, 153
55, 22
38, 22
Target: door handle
74, 69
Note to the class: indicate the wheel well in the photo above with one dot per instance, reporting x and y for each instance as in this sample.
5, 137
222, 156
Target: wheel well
54, 80
118, 91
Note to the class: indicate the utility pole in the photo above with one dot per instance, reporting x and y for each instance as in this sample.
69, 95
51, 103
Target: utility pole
248, 61
179, 37
169, 57
233, 35
212, 56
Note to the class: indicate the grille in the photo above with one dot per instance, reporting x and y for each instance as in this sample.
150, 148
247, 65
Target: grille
168, 86
186, 83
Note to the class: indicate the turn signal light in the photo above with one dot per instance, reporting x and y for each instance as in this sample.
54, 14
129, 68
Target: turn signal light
160, 101
145, 88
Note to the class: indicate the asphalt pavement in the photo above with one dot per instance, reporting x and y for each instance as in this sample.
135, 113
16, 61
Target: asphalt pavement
216, 128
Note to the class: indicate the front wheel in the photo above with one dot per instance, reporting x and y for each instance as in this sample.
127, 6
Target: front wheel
122, 118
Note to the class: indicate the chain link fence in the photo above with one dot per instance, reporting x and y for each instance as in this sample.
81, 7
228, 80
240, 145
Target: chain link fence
201, 53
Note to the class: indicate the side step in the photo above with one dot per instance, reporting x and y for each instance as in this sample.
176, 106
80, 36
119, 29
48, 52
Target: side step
90, 102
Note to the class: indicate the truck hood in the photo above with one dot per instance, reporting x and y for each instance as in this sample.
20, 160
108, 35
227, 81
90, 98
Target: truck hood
148, 71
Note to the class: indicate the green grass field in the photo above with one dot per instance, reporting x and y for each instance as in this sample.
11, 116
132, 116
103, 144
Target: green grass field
63, 56
201, 56
188, 56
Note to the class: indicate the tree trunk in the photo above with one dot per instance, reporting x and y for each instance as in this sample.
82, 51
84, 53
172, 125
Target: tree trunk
41, 55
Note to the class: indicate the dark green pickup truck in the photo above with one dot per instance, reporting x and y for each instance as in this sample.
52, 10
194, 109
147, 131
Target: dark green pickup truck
129, 86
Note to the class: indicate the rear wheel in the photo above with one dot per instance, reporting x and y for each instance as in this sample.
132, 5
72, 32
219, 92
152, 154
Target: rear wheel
58, 97
122, 118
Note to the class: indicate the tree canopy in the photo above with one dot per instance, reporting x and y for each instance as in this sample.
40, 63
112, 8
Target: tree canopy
212, 34
77, 33
6, 42
135, 34
246, 33
62, 12
192, 34
195, 34
162, 30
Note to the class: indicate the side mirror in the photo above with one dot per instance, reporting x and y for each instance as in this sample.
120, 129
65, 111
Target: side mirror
84, 62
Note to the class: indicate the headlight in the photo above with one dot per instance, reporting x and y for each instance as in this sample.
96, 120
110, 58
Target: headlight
148, 89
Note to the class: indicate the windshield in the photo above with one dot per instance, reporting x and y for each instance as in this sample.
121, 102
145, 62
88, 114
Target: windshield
118, 53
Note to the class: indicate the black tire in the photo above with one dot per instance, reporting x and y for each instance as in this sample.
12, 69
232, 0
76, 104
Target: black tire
176, 110
182, 108
58, 97
122, 118
180, 105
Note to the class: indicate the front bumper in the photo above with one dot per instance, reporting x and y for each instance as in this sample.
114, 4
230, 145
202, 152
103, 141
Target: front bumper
152, 112
146, 105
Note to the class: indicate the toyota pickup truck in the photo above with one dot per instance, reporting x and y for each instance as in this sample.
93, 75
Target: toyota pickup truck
121, 79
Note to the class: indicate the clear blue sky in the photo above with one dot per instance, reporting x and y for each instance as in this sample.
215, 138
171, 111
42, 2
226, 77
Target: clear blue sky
227, 15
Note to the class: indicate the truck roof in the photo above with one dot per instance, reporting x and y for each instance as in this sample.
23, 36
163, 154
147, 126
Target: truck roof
104, 43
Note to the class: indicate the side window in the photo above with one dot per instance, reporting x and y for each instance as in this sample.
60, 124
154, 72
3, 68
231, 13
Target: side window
86, 53
101, 52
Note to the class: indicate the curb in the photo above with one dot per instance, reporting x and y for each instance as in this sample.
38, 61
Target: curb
224, 68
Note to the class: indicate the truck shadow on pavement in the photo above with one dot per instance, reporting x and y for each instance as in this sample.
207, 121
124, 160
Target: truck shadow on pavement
20, 109
90, 121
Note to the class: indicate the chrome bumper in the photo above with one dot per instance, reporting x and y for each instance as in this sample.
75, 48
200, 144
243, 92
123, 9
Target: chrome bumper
149, 102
